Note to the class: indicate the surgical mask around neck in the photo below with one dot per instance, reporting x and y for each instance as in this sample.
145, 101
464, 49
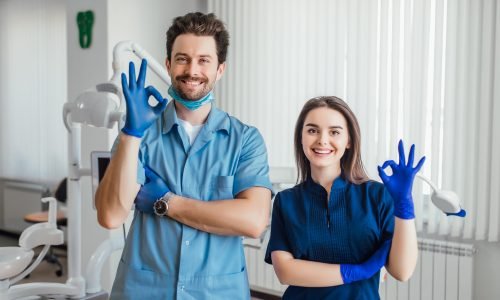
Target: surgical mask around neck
190, 104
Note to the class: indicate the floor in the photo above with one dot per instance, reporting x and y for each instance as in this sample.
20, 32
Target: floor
46, 272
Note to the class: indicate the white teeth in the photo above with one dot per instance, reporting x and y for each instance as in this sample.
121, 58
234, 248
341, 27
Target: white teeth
322, 151
192, 82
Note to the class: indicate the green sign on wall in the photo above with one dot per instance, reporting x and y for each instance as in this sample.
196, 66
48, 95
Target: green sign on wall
85, 22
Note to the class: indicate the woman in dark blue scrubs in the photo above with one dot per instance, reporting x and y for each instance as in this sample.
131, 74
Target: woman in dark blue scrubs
336, 217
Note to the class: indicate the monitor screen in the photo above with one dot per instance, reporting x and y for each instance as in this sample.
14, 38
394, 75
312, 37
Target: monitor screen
99, 161
102, 164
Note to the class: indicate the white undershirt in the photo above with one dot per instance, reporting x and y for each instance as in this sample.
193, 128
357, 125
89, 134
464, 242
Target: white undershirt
191, 130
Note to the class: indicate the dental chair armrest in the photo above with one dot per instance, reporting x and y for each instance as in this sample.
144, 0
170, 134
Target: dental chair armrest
40, 234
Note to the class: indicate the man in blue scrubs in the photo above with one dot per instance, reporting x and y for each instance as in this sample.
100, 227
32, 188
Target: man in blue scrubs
202, 172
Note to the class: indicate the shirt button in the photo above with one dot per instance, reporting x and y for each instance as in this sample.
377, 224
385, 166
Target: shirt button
182, 287
187, 243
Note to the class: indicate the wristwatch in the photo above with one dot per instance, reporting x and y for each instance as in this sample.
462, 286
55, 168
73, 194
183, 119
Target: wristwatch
161, 205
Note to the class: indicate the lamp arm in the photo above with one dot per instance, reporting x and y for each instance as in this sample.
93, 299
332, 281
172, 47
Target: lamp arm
130, 47
66, 111
419, 175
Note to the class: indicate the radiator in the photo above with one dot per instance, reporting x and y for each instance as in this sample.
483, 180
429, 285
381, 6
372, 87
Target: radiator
261, 276
444, 271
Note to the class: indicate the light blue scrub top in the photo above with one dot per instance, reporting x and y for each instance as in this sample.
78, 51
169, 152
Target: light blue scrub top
165, 259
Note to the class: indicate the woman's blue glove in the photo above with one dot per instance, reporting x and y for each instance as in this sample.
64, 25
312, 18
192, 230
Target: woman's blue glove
153, 189
367, 269
400, 183
140, 115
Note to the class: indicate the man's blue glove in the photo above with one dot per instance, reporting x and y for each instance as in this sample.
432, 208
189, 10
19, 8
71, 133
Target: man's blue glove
153, 189
140, 115
365, 270
400, 183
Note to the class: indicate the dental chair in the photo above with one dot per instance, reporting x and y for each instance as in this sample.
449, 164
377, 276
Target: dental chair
39, 217
15, 261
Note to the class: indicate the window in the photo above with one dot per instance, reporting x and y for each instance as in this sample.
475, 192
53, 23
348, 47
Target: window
424, 71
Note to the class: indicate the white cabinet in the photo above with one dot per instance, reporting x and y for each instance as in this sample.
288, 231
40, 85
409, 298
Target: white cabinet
18, 198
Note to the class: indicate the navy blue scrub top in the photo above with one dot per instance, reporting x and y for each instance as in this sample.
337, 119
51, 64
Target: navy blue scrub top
348, 228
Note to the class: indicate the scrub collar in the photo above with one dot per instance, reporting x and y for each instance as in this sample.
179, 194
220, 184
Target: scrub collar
339, 183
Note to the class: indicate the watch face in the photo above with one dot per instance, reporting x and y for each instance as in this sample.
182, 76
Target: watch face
160, 207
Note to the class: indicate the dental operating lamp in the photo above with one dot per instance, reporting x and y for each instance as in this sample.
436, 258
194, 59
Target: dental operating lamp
447, 201
101, 106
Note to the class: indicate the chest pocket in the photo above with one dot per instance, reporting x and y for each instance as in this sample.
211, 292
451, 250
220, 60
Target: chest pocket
222, 187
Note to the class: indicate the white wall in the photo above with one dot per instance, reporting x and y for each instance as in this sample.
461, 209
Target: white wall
86, 68
487, 271
32, 90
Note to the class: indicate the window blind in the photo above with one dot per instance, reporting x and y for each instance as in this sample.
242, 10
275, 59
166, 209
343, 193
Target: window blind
425, 71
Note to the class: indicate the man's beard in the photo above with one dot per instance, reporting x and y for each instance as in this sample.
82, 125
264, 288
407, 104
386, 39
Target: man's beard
204, 82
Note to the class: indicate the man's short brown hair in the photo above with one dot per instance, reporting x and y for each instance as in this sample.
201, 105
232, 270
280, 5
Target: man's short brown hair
199, 24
